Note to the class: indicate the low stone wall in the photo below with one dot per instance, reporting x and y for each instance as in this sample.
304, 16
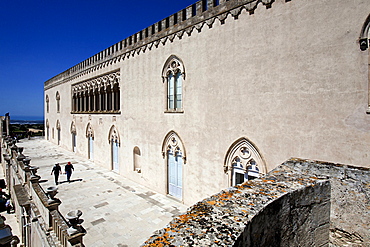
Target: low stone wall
301, 202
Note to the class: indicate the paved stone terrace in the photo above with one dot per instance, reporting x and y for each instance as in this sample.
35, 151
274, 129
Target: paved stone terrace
116, 211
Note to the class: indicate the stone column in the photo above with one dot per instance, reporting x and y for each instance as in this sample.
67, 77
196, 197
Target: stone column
7, 123
106, 100
113, 99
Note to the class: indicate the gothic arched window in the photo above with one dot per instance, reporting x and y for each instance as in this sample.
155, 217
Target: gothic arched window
47, 103
173, 74
243, 162
57, 97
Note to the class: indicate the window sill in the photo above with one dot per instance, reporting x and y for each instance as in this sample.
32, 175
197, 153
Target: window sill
95, 112
174, 111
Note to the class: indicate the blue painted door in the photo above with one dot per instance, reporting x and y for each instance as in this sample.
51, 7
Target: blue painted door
91, 148
175, 174
115, 156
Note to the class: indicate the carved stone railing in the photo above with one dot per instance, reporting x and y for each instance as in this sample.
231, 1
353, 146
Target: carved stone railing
300, 203
40, 207
61, 229
194, 17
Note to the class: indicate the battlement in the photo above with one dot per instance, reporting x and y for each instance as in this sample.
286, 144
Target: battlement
193, 17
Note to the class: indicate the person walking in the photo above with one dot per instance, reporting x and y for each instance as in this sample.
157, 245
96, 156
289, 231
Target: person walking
68, 170
56, 170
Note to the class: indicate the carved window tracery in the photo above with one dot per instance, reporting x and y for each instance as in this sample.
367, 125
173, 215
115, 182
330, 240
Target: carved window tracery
173, 74
90, 141
243, 162
114, 135
98, 95
73, 128
89, 131
174, 153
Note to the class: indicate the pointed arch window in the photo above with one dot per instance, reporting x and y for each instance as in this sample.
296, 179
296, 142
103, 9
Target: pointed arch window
243, 162
47, 103
173, 75
58, 101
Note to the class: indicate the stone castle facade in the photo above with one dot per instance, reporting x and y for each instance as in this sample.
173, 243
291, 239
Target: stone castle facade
220, 93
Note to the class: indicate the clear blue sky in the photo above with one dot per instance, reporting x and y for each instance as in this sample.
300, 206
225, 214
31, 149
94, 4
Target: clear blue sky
42, 38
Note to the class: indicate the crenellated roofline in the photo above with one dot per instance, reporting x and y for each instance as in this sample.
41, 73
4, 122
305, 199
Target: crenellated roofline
194, 17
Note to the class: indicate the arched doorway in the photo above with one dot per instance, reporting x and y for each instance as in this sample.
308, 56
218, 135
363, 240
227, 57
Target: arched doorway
174, 153
58, 132
114, 141
74, 136
90, 141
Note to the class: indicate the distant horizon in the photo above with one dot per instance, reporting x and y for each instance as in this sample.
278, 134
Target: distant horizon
41, 39
26, 118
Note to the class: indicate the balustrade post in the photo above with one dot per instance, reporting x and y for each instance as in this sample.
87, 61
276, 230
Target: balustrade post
75, 230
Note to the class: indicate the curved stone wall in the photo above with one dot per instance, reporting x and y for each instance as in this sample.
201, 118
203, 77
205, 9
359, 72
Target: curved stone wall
301, 202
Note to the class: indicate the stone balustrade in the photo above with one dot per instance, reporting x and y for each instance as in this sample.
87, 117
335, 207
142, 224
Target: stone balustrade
41, 223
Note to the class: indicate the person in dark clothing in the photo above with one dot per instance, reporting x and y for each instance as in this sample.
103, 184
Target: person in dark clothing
5, 203
56, 170
68, 170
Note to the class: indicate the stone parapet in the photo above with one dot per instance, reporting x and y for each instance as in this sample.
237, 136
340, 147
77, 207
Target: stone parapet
194, 17
298, 203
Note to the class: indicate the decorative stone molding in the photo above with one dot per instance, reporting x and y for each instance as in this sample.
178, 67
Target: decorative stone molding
97, 83
89, 131
173, 65
245, 153
114, 135
172, 143
73, 128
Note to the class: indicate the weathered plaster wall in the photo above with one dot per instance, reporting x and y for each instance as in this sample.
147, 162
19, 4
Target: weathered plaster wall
300, 203
290, 78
